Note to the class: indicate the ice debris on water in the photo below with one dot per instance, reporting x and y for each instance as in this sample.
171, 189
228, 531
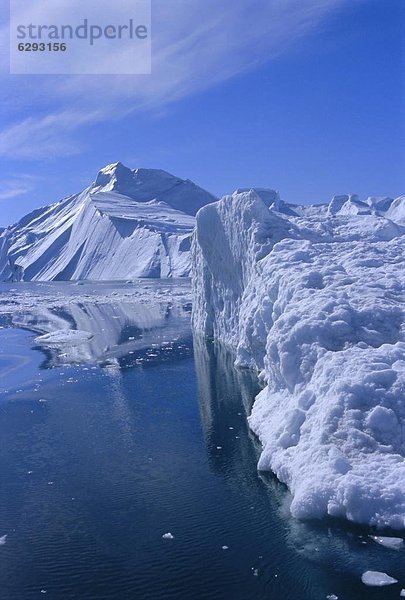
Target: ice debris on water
377, 579
168, 536
3, 540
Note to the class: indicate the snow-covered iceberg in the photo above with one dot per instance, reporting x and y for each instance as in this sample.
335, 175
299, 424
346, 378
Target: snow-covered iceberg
127, 224
312, 297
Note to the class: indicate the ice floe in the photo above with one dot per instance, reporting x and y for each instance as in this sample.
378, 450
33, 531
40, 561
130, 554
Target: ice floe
377, 579
394, 543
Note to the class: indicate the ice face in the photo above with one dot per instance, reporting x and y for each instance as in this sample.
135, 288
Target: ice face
315, 304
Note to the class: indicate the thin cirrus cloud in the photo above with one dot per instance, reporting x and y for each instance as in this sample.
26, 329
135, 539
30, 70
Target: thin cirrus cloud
17, 186
196, 45
33, 137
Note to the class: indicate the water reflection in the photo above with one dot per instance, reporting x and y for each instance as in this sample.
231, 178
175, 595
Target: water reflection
122, 335
226, 395
345, 547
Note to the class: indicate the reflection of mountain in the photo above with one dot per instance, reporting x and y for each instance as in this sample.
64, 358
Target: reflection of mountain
123, 333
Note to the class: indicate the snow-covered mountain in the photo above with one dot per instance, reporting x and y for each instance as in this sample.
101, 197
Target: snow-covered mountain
313, 298
127, 224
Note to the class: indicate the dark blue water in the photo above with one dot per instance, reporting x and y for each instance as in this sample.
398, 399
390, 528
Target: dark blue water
141, 432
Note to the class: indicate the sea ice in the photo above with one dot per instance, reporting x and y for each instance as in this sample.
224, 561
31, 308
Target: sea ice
3, 540
377, 579
168, 536
389, 542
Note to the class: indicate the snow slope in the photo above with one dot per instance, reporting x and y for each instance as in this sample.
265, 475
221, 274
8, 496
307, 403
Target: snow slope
126, 224
312, 297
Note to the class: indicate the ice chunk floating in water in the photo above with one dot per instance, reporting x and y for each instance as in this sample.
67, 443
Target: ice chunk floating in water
377, 579
312, 298
71, 337
389, 542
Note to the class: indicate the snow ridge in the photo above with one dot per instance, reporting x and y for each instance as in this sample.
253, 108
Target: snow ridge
314, 301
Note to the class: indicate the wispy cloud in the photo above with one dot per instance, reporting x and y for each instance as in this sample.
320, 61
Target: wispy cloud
34, 138
18, 185
196, 45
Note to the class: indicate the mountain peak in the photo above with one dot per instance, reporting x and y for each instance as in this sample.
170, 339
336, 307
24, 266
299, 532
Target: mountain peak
112, 175
144, 185
117, 177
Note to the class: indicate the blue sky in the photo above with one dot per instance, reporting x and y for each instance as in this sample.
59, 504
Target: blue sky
305, 96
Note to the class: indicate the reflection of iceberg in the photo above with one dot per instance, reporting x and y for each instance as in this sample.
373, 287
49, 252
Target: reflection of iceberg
221, 385
119, 332
226, 395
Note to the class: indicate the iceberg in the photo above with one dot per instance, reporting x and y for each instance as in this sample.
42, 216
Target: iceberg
127, 224
312, 299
